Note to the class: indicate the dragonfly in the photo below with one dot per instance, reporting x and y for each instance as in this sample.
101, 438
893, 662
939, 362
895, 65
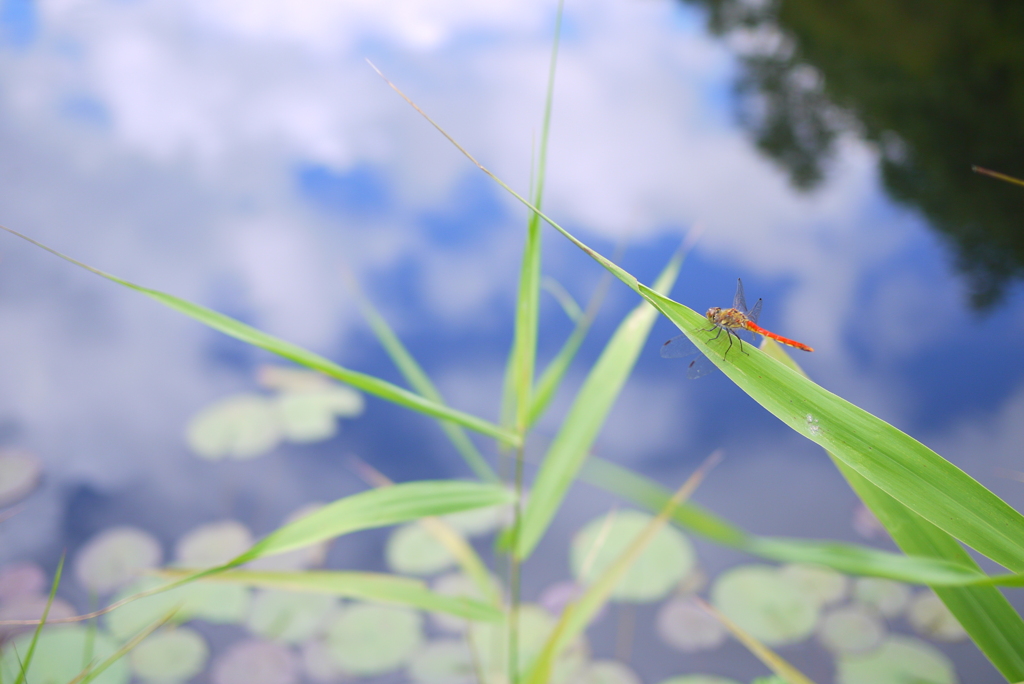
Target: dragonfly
737, 322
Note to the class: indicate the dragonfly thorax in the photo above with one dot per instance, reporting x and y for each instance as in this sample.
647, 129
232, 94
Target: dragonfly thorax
727, 318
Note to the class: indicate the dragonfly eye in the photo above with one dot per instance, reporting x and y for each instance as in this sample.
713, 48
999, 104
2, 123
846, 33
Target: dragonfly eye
713, 312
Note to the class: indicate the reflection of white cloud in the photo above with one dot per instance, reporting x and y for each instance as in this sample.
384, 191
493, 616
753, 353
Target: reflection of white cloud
188, 180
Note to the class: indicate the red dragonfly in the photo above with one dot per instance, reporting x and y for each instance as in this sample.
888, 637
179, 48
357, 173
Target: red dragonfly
738, 322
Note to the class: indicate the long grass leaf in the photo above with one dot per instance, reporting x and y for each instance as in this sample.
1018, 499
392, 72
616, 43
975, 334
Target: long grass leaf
853, 559
553, 374
579, 614
984, 613
899, 465
23, 673
420, 381
233, 328
89, 674
377, 508
369, 586
587, 416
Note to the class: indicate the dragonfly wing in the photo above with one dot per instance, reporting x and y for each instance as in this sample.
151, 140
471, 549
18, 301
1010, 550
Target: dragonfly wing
755, 312
700, 367
678, 347
739, 301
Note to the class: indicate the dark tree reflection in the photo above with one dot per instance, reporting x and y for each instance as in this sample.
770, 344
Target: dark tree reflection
937, 85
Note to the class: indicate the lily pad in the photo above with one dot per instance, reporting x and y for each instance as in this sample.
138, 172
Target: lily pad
490, 644
319, 664
170, 656
368, 639
898, 660
851, 629
289, 616
446, 661
209, 601
667, 559
699, 679
59, 655
303, 558
256, 662
21, 579
765, 603
242, 426
212, 544
115, 557
20, 473
888, 597
454, 584
412, 550
478, 521
30, 608
607, 672
930, 617
311, 415
684, 625
826, 585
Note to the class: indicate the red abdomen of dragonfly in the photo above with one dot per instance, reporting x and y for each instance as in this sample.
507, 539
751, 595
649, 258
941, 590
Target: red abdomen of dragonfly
755, 328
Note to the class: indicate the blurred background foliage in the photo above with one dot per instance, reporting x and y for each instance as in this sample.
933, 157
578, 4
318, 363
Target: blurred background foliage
937, 86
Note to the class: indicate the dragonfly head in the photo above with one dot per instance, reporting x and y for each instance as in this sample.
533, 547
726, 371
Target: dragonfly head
713, 313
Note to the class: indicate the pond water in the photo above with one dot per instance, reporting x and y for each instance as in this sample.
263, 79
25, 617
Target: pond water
243, 155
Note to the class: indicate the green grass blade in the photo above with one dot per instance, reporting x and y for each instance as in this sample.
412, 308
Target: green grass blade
89, 674
562, 296
553, 374
773, 660
901, 466
524, 345
848, 558
578, 615
39, 628
369, 586
898, 464
258, 338
587, 416
992, 623
420, 381
377, 508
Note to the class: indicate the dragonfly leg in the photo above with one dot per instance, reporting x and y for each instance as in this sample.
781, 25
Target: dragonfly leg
730, 345
741, 345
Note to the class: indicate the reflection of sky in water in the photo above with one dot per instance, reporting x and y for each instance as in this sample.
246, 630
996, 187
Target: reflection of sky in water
240, 154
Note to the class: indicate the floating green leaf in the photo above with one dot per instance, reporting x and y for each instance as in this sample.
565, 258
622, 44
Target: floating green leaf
823, 584
311, 415
699, 679
212, 544
289, 616
667, 559
490, 643
115, 557
684, 625
60, 655
241, 426
368, 640
220, 604
898, 660
930, 617
851, 629
607, 672
170, 656
889, 598
455, 585
763, 602
413, 550
446, 661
